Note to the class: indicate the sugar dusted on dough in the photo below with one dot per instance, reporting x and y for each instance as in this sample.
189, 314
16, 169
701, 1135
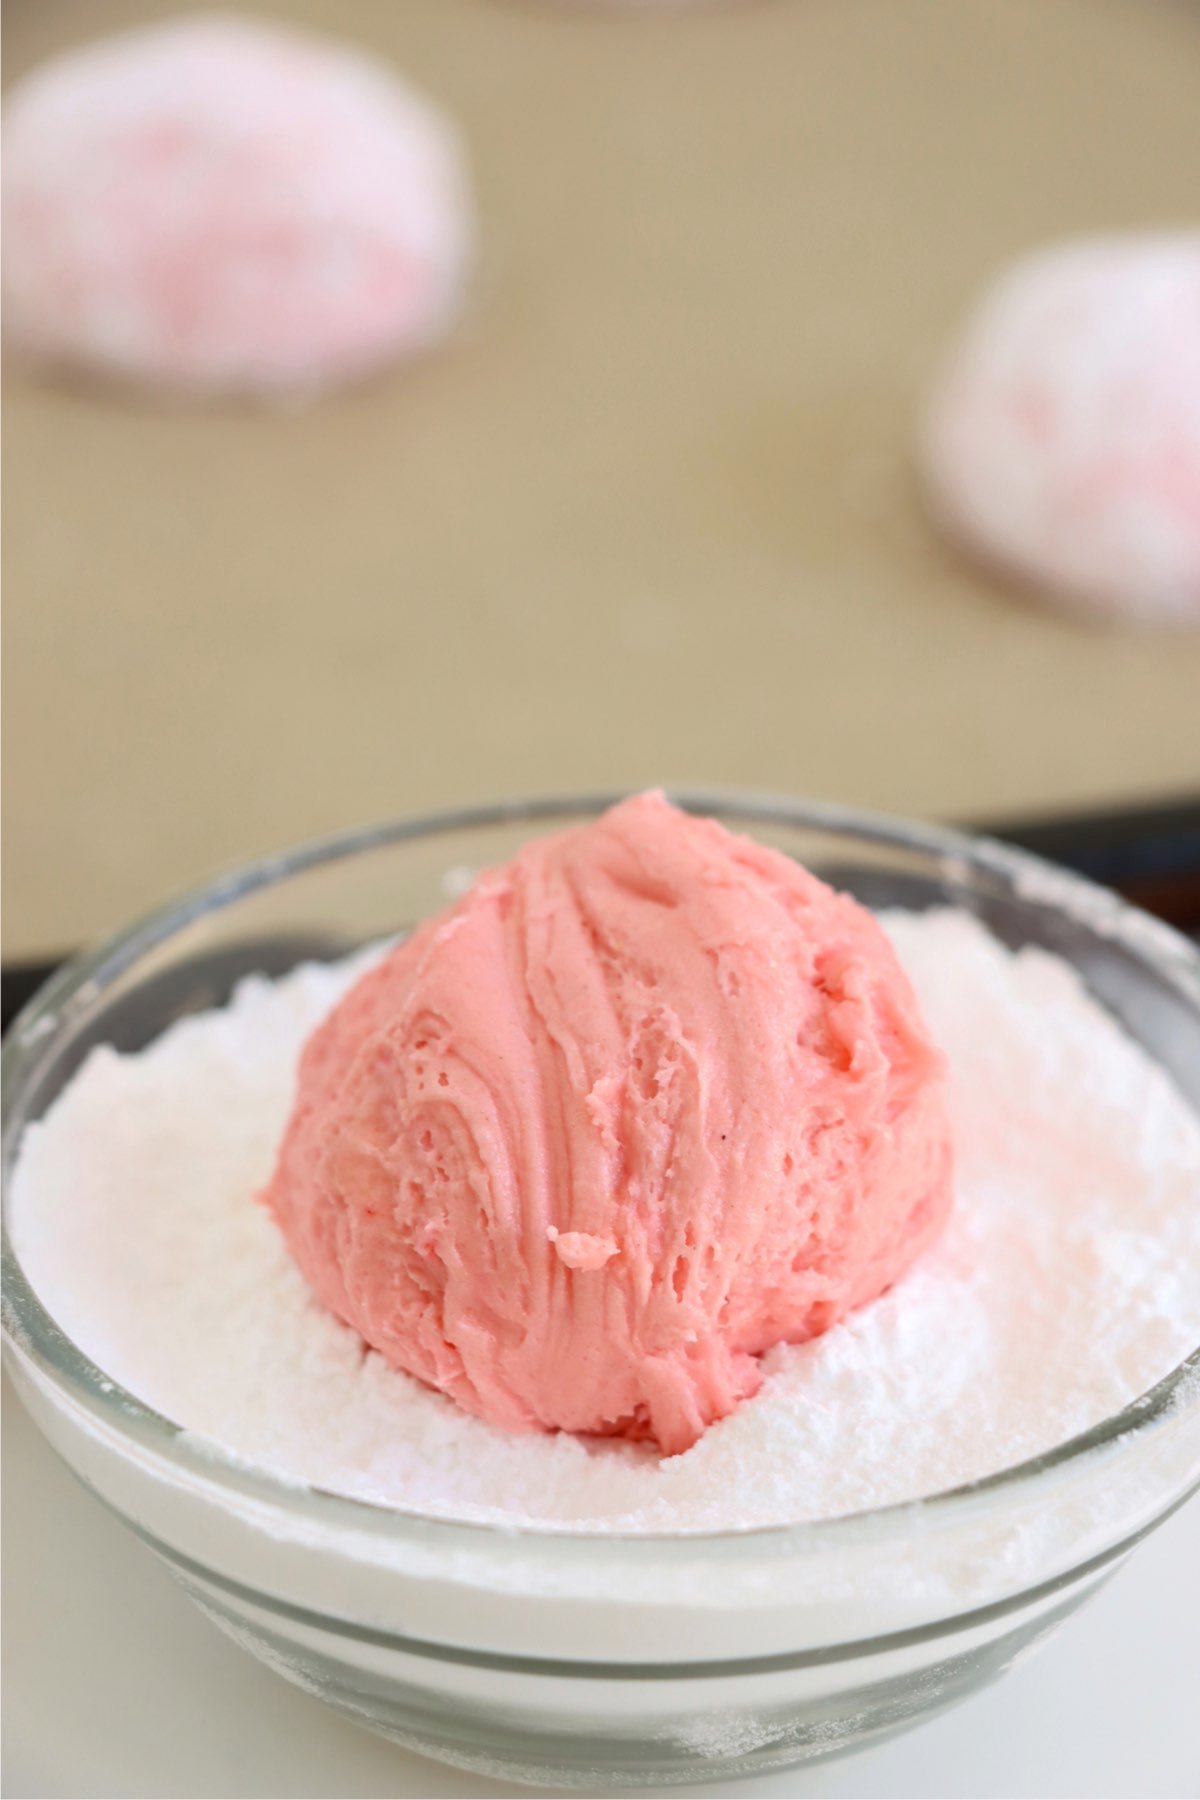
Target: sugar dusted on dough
1062, 436
219, 204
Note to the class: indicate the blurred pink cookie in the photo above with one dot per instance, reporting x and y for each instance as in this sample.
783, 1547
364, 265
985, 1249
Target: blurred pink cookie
1062, 438
220, 205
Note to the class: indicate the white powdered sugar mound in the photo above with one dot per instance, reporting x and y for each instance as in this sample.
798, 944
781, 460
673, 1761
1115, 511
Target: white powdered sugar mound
1067, 1282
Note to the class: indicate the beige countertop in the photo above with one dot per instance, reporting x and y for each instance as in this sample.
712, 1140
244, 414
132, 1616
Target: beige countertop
649, 517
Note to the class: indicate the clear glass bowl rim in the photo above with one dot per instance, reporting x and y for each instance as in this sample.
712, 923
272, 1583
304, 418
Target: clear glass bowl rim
31, 1331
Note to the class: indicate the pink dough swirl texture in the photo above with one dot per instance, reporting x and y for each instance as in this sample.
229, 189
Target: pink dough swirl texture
215, 204
645, 1102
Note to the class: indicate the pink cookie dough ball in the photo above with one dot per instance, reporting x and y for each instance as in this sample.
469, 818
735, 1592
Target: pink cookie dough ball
1062, 437
647, 1101
216, 205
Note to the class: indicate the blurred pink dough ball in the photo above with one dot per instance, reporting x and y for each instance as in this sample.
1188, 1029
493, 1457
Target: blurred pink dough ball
219, 205
1062, 438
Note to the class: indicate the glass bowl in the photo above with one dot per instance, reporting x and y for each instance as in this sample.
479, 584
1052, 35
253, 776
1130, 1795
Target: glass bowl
547, 1656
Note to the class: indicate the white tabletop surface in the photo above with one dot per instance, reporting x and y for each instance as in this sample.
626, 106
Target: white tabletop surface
115, 1685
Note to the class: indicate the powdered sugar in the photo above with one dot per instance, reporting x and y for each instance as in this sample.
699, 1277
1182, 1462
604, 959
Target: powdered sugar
1067, 1282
